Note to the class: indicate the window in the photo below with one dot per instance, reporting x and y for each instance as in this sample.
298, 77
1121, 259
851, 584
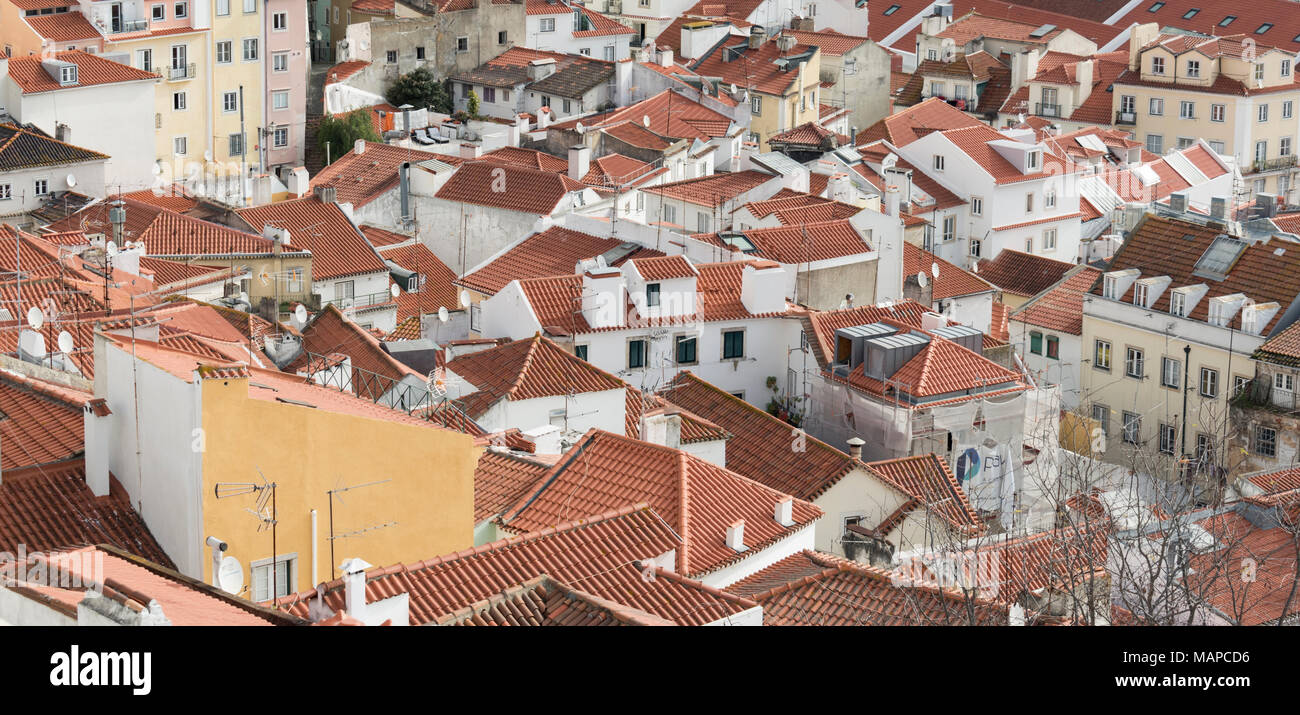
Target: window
419, 52
462, 44
490, 94
1284, 146
230, 101
1261, 151
1263, 28
636, 354
1155, 7
670, 214
1204, 448
223, 52
345, 290
178, 145
1127, 104
890, 10
703, 222
581, 351
1157, 65
178, 101
1216, 112
1053, 347
391, 57
1101, 354
1132, 427
1263, 112
1156, 143
1265, 442
281, 137
938, 162
976, 206
975, 246
1170, 370
949, 228
280, 99
250, 49
1029, 203
1032, 159
1156, 107
1140, 294
1191, 13
1227, 20
1049, 239
250, 6
285, 568
223, 7
475, 317
548, 24
280, 62
686, 349
1029, 245
1036, 343
6, 192
756, 105
733, 344
1168, 438
505, 94
236, 144
1049, 199
1288, 108
652, 295
567, 108
501, 37
1283, 383
1193, 68
1134, 363
159, 12
1187, 110
1216, 146
1178, 304
1209, 382
68, 75
181, 10
144, 58
42, 187
280, 21
1101, 414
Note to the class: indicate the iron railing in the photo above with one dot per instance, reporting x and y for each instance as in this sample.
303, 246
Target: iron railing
183, 72
1126, 117
1279, 162
360, 301
1043, 109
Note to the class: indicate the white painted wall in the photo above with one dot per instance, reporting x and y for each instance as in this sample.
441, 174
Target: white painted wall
799, 540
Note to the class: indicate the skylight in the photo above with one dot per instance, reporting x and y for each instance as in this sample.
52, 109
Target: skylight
1191, 13
1227, 20
1264, 28
892, 9
1219, 258
1155, 7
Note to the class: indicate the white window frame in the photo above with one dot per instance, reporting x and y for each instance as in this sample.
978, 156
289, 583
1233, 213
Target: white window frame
1218, 112
262, 569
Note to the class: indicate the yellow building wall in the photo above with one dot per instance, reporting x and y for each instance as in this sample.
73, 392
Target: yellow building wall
16, 34
235, 28
309, 451
170, 122
768, 122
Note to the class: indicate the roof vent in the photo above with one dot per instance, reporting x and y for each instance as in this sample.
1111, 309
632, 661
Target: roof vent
784, 512
736, 536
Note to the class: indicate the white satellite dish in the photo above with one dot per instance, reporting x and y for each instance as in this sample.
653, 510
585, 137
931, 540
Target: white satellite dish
394, 290
922, 279
207, 155
975, 267
300, 314
230, 575
580, 128
111, 248
733, 87
934, 269
32, 343
66, 342
156, 169
72, 181
464, 299
443, 315
35, 318
645, 119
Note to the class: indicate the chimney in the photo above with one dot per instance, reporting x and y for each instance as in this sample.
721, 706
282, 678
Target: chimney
359, 147
736, 536
541, 68
893, 200
840, 188
805, 24
666, 57
117, 218
1219, 208
1178, 202
784, 512
785, 43
762, 287
931, 321
543, 117
579, 161
326, 194
354, 587
404, 189
604, 297
855, 447
662, 426
261, 189
469, 150
756, 37
545, 439
298, 181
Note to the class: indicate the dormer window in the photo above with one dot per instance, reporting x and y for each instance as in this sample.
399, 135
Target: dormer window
1193, 68
1033, 159
68, 75
1111, 288
1140, 294
938, 162
1178, 304
1157, 65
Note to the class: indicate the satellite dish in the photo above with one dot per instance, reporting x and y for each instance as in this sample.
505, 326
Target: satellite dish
733, 87
111, 248
32, 344
65, 341
35, 318
300, 314
975, 267
156, 169
464, 299
934, 269
580, 128
922, 279
72, 181
207, 155
443, 315
645, 120
394, 290
230, 575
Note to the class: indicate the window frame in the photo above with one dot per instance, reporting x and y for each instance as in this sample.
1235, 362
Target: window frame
1097, 354
643, 354
1134, 358
726, 335
680, 339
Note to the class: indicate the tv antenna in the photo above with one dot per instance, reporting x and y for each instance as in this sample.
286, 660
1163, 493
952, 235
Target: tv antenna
338, 492
266, 516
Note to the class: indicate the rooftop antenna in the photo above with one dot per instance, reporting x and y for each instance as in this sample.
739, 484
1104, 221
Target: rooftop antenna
267, 519
338, 491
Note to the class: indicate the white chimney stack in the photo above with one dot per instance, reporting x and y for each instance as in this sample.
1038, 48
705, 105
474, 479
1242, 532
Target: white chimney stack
662, 426
359, 147
469, 150
855, 447
354, 587
785, 512
736, 536
893, 199
762, 287
604, 298
545, 439
579, 161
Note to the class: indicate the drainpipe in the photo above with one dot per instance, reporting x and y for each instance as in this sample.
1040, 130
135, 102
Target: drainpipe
314, 581
1187, 368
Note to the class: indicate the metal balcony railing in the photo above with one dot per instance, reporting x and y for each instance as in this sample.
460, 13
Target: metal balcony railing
1280, 162
360, 301
183, 72
1126, 117
122, 26
1047, 110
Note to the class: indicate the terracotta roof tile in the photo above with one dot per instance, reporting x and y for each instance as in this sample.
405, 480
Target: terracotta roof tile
801, 243
343, 70
31, 77
662, 268
330, 332
695, 429
437, 289
951, 282
167, 233
500, 479
22, 148
473, 181
543, 601
713, 189
671, 114
337, 247
63, 27
829, 41
1061, 306
359, 179
528, 158
754, 69
904, 127
1022, 274
553, 252
531, 368
42, 424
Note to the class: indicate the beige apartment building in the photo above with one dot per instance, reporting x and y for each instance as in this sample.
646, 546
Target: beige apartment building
1241, 97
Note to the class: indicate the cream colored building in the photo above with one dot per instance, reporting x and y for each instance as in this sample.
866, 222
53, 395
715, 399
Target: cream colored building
1240, 97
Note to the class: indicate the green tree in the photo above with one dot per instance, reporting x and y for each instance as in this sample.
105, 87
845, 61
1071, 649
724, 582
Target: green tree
342, 133
471, 104
420, 89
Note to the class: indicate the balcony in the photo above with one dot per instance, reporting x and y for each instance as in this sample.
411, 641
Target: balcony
125, 26
1126, 118
175, 74
1274, 164
1043, 109
360, 301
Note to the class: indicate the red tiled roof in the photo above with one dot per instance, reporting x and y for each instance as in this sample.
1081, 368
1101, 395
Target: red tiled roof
31, 77
662, 268
903, 128
801, 243
473, 181
618, 171
381, 238
528, 158
63, 27
531, 368
599, 555
753, 69
671, 115
42, 422
1215, 575
602, 26
337, 247
999, 325
343, 70
330, 332
172, 272
807, 134
1249, 18
1022, 274
974, 26
500, 479
359, 179
50, 507
553, 252
437, 289
166, 233
175, 198
699, 499
713, 189
932, 486
1282, 348
1280, 486
695, 429
543, 601
974, 142
829, 41
951, 281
